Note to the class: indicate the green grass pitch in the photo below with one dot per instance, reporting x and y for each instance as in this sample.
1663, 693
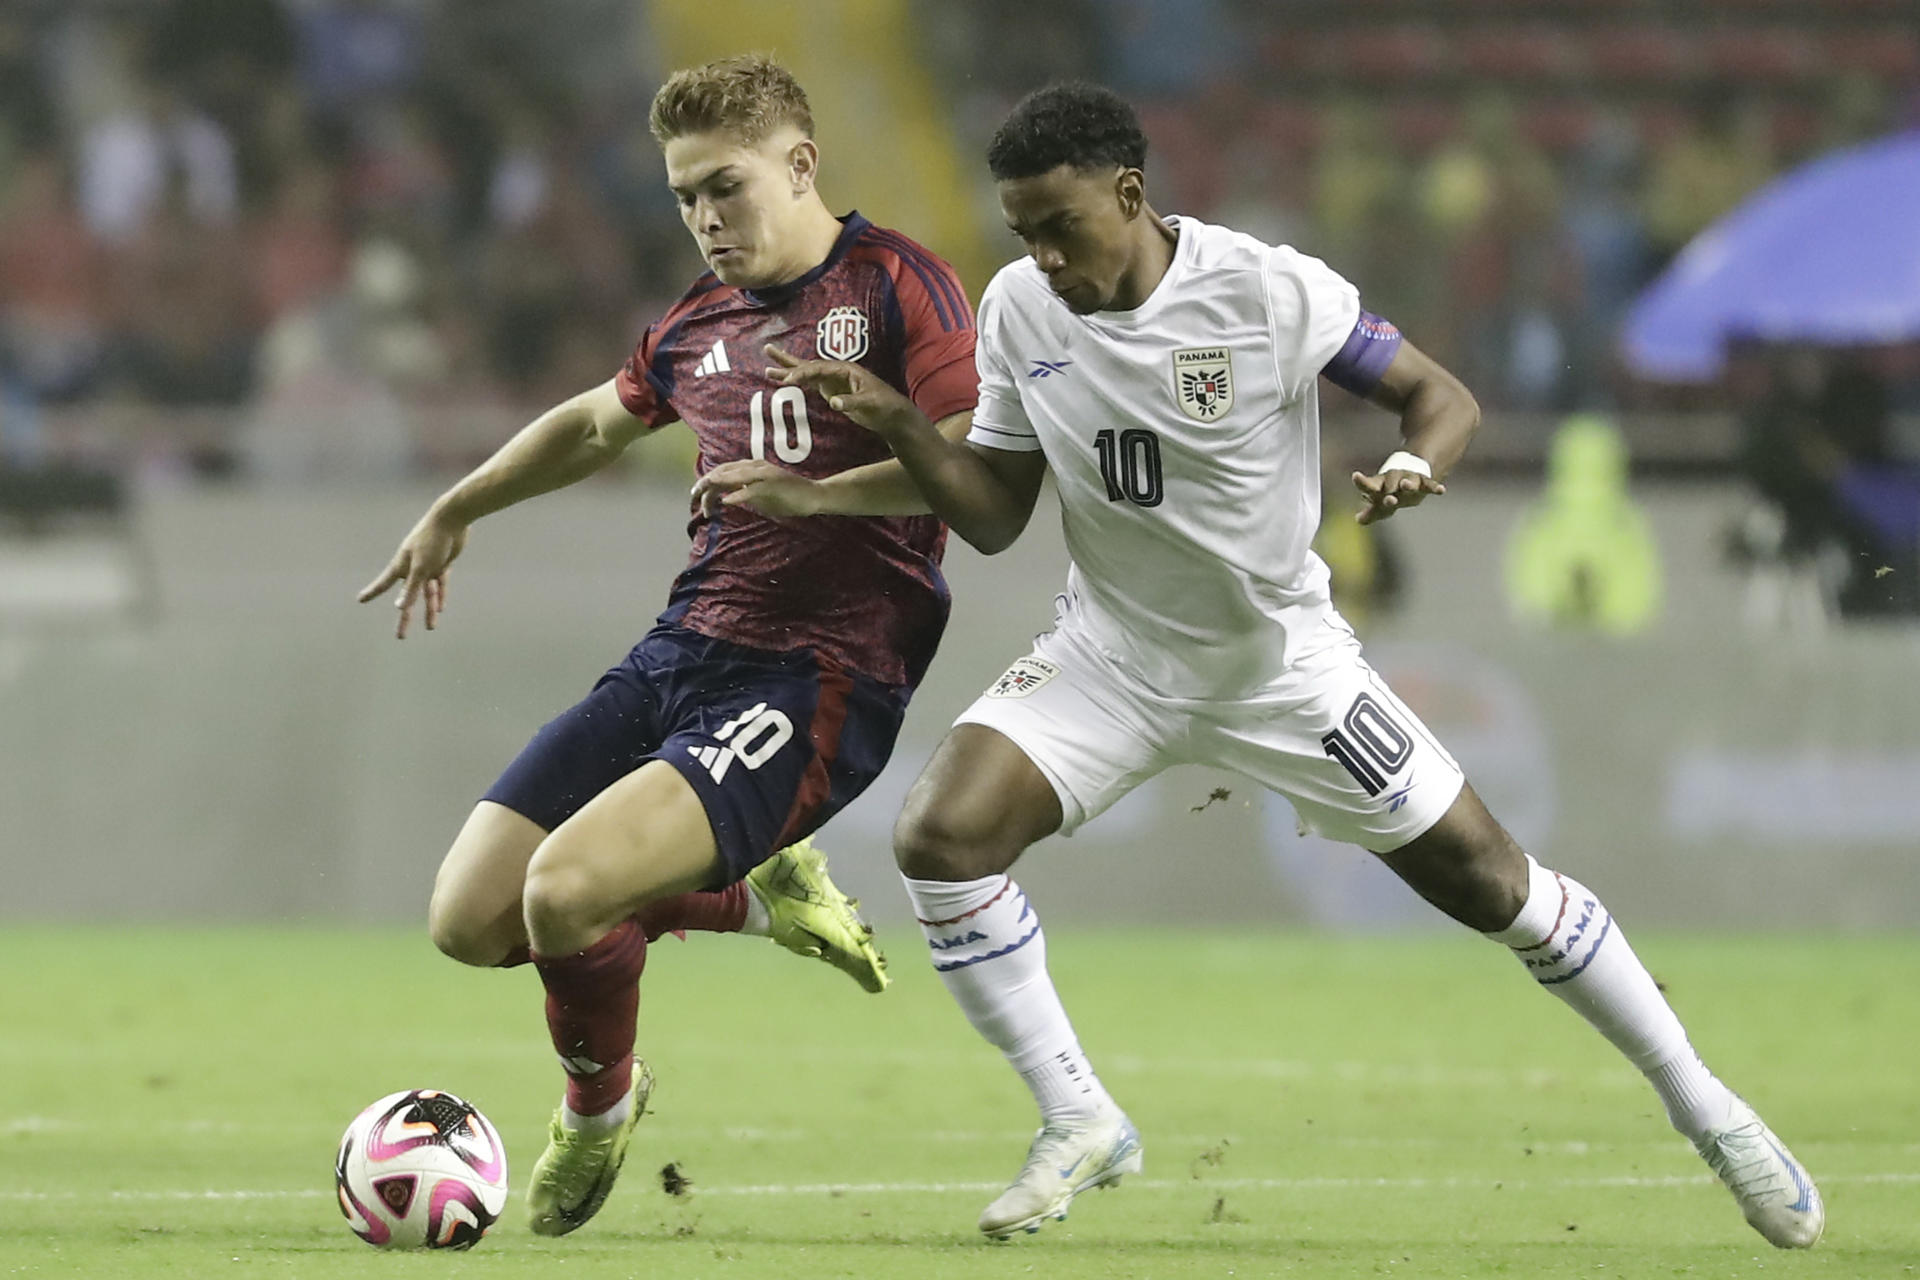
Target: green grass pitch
1311, 1106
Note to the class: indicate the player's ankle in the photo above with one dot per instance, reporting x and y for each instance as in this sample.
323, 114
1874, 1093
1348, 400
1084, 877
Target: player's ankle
758, 922
1696, 1101
602, 1122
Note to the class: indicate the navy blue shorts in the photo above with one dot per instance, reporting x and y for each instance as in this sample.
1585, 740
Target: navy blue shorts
774, 743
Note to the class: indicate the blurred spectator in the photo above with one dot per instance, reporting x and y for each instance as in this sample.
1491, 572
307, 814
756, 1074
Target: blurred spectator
1490, 201
1609, 245
489, 162
1359, 183
186, 330
231, 59
554, 268
26, 112
1876, 496
356, 51
299, 248
1584, 556
336, 376
130, 159
52, 279
1367, 568
399, 172
1842, 512
1171, 48
1722, 154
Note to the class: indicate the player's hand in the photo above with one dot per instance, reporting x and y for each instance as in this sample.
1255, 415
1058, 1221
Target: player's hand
859, 393
1389, 491
421, 564
758, 486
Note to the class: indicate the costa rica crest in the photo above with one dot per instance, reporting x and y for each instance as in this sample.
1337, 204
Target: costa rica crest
1203, 382
841, 334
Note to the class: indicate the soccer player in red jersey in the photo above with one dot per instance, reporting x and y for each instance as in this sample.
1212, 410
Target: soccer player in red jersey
771, 689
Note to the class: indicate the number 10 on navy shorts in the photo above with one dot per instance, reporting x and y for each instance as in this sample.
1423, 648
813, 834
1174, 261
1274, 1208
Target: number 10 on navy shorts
774, 744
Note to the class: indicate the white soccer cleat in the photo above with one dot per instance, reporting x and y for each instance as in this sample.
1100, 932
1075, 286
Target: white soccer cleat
1061, 1164
1774, 1192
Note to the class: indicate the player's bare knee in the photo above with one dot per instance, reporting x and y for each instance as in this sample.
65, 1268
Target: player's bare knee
1488, 903
1482, 890
932, 841
559, 897
461, 937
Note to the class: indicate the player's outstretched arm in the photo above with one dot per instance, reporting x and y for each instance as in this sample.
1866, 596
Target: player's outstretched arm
568, 442
1438, 417
877, 489
986, 496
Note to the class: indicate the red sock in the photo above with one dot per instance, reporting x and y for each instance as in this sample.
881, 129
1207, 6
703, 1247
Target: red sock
593, 1001
721, 912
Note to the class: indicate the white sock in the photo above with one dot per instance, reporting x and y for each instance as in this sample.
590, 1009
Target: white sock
758, 924
612, 1118
988, 948
1571, 946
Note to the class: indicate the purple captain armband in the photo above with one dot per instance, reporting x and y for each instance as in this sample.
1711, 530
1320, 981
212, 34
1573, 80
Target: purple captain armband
1363, 361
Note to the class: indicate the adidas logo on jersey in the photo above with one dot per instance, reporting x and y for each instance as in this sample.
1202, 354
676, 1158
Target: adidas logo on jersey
715, 361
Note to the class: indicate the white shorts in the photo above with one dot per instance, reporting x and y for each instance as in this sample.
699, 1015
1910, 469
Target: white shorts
1328, 735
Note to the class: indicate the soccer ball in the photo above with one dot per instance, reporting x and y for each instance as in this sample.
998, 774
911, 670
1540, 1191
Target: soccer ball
421, 1170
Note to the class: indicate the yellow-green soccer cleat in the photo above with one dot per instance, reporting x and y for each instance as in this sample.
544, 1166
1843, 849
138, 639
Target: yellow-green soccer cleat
574, 1174
808, 915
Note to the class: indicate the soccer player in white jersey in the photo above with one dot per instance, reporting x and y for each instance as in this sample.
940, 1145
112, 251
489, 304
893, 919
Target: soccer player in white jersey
1166, 372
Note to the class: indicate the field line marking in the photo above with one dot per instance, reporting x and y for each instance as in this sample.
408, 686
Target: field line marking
1138, 1184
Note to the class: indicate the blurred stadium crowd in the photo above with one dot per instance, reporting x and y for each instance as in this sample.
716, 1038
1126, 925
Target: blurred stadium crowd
1499, 177
344, 221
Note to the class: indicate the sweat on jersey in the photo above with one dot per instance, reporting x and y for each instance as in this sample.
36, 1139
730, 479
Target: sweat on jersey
864, 592
1184, 437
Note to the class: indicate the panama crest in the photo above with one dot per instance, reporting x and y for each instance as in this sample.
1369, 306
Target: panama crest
841, 334
1203, 382
1023, 677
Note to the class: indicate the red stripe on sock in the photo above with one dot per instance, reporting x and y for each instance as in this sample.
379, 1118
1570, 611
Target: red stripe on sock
724, 911
1564, 898
593, 1004
1007, 883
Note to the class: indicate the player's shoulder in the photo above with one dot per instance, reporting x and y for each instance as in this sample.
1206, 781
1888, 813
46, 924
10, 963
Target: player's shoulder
886, 244
904, 258
1017, 282
912, 267
1230, 257
1218, 248
1212, 247
1015, 304
706, 291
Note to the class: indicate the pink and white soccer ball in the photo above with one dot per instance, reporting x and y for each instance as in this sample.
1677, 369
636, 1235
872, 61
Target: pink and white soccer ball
421, 1170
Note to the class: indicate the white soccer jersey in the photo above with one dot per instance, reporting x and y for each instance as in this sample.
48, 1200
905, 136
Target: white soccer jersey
1184, 437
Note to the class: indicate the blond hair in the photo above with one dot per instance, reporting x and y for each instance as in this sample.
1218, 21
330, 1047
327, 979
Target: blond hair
749, 96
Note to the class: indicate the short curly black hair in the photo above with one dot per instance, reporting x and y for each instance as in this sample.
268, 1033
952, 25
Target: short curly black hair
1079, 124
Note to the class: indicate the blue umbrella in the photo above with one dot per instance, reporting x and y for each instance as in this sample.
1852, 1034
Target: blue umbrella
1827, 255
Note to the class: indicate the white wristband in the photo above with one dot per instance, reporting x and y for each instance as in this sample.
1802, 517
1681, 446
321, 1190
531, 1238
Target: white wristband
1401, 460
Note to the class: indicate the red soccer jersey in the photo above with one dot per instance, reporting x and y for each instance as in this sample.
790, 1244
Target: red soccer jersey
865, 593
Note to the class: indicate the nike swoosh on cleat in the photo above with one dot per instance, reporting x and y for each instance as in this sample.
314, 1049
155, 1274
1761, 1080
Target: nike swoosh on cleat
1800, 1181
1068, 1172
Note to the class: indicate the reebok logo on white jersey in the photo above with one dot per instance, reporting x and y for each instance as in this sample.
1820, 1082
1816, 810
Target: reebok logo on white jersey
715, 361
